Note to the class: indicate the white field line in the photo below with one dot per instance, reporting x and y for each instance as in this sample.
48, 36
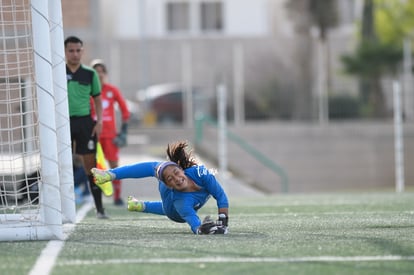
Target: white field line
47, 258
410, 212
239, 260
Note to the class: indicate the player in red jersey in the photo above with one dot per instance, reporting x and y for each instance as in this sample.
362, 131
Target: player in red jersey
110, 139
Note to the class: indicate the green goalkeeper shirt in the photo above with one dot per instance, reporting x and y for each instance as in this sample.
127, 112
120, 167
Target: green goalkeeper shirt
82, 84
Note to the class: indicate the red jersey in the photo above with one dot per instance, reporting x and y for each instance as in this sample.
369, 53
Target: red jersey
111, 95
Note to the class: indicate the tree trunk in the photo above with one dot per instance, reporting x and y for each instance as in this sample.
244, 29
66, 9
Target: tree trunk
376, 97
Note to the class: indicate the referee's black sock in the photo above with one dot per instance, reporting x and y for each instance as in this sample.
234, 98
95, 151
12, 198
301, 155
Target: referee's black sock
97, 194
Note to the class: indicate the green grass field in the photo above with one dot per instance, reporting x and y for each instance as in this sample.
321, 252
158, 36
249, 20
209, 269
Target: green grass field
286, 234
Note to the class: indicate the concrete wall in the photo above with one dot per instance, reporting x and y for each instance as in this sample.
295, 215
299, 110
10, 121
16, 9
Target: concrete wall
335, 157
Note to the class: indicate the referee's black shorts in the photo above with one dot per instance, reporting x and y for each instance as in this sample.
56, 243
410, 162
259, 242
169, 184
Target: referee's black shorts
81, 135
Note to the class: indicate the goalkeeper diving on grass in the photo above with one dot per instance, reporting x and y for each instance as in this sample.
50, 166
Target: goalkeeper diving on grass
184, 187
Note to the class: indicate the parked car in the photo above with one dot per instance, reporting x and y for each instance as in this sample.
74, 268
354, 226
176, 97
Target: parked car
163, 104
134, 110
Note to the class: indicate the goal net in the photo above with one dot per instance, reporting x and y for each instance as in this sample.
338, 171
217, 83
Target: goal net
36, 180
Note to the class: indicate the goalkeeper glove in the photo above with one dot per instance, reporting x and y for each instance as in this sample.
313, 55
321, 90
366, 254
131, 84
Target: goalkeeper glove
102, 176
223, 219
121, 138
209, 227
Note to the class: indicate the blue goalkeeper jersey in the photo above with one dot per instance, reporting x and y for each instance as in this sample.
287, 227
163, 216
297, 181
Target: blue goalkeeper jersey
180, 206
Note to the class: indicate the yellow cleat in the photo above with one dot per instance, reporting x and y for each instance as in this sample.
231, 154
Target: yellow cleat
106, 188
135, 205
103, 179
102, 176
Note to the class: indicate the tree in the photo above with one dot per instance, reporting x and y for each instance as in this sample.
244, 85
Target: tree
394, 21
370, 62
300, 93
384, 26
322, 15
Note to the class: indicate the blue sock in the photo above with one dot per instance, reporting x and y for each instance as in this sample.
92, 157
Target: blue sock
154, 207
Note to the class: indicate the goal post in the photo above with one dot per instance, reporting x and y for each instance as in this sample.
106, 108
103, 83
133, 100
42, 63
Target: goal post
62, 112
36, 177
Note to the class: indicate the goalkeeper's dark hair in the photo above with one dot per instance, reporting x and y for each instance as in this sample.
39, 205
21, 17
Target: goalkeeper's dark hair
179, 153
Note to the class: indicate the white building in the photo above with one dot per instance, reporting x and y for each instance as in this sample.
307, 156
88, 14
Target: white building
176, 18
251, 45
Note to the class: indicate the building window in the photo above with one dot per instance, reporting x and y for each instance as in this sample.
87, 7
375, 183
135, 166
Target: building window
211, 16
178, 16
201, 16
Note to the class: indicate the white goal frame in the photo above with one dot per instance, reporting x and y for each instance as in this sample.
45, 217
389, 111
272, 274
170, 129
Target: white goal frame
56, 200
